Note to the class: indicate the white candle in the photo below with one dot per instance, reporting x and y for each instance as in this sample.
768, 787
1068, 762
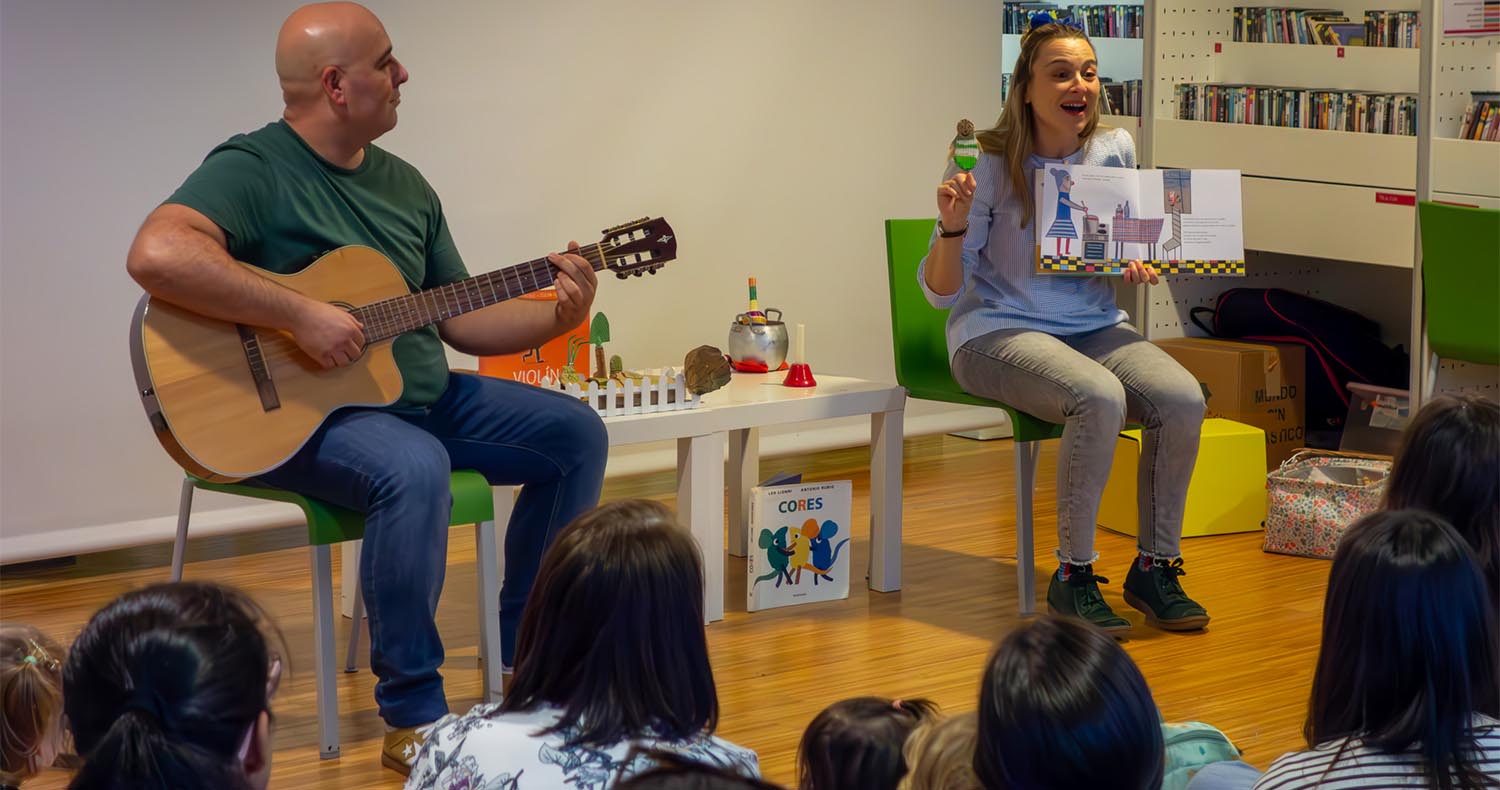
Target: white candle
801, 348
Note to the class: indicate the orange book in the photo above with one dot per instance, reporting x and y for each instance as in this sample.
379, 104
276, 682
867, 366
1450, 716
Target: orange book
535, 365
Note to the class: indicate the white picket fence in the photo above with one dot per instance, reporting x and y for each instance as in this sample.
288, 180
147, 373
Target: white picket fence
669, 393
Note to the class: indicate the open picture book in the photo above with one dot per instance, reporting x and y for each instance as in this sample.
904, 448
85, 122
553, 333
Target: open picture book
1095, 220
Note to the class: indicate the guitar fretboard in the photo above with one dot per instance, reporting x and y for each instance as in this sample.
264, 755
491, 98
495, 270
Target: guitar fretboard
391, 317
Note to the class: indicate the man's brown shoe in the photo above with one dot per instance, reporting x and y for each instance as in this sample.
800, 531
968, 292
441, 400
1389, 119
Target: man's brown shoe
400, 749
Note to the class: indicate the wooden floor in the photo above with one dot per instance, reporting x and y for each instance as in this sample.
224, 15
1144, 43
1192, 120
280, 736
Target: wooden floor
1248, 673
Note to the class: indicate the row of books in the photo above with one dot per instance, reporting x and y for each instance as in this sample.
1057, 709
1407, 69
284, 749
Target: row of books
1099, 21
1392, 29
1274, 25
1482, 117
1122, 98
1299, 108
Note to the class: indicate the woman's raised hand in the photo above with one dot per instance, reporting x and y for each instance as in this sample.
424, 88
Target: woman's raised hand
954, 197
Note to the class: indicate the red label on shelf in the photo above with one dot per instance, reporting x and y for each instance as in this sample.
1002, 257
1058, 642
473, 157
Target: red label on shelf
1218, 46
1395, 199
1341, 52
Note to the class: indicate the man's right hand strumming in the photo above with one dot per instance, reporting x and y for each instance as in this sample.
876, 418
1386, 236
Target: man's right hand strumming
330, 335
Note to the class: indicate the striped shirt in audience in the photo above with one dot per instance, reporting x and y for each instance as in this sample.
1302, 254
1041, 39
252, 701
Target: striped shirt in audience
1363, 768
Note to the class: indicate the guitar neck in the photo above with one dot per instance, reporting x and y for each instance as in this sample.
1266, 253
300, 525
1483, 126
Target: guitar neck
391, 317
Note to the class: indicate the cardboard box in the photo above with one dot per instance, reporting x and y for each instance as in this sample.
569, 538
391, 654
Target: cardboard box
1259, 384
1227, 493
532, 366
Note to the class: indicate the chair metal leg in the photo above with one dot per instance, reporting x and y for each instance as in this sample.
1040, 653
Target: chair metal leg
184, 512
1027, 455
323, 651
488, 584
351, 655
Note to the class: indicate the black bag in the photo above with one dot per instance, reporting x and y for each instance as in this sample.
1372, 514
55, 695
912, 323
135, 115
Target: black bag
1342, 345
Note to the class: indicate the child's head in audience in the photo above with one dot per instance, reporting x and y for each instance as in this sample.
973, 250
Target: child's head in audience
857, 744
1062, 705
940, 755
673, 771
31, 702
1449, 464
169, 687
1410, 648
613, 631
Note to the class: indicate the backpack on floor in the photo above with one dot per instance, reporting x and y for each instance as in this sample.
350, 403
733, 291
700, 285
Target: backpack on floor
1342, 345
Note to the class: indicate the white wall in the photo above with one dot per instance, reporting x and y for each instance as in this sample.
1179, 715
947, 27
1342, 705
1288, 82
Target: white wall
774, 135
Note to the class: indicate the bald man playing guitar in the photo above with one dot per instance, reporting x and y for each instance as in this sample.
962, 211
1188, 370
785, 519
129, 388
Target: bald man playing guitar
279, 197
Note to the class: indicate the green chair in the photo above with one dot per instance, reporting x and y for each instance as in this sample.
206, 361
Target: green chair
1460, 285
473, 503
922, 367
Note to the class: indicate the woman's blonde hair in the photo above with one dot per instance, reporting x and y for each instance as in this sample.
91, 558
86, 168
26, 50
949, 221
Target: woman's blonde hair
31, 701
1012, 136
940, 755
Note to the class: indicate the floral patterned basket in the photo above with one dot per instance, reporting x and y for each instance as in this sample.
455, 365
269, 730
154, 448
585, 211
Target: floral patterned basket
1315, 495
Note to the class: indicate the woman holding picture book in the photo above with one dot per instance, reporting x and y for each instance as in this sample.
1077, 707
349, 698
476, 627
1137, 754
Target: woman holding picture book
1057, 347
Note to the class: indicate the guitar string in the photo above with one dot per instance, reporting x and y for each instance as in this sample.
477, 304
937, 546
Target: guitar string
415, 307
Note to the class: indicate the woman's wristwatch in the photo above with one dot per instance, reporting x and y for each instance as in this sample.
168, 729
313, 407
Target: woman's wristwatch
950, 234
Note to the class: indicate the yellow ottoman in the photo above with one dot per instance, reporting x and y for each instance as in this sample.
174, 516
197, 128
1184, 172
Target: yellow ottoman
1228, 491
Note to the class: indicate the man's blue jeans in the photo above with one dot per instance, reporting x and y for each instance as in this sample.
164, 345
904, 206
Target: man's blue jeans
394, 467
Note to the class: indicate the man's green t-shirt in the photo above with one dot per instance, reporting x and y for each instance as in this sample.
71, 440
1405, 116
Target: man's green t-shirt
281, 206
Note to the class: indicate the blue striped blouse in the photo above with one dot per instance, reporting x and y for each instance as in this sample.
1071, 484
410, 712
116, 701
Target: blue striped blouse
1001, 289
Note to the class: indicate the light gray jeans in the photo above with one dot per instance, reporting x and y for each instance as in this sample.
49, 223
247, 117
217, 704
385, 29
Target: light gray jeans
1094, 383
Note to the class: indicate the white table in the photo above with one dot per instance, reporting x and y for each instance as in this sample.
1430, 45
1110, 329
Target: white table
737, 412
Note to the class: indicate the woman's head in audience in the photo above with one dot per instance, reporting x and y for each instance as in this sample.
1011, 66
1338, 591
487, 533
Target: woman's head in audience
1448, 464
940, 755
31, 702
857, 744
613, 631
1410, 647
1062, 705
170, 687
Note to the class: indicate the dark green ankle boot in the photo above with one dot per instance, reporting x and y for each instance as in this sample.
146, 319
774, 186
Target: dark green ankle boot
1078, 596
1158, 593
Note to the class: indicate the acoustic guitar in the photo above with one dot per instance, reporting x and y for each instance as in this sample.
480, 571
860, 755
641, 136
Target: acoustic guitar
230, 401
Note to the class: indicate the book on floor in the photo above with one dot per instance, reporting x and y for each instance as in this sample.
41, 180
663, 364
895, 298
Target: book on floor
799, 544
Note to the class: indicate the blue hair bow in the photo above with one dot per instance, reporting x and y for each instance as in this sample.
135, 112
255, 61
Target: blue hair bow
1049, 17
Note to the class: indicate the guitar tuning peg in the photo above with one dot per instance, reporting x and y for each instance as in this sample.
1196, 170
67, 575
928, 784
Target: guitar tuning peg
622, 275
651, 270
638, 272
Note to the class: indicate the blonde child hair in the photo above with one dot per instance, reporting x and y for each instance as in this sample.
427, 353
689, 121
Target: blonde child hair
31, 702
940, 755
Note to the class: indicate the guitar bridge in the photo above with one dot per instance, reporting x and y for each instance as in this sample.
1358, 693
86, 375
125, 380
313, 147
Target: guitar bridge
259, 373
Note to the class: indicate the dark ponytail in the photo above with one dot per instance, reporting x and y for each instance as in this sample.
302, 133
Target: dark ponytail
162, 686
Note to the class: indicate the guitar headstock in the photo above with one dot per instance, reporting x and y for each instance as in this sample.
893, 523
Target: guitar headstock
638, 247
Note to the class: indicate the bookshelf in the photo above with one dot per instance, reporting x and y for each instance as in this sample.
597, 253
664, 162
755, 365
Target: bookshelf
1384, 161
1303, 188
1463, 171
1326, 213
1466, 171
1451, 169
1313, 66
